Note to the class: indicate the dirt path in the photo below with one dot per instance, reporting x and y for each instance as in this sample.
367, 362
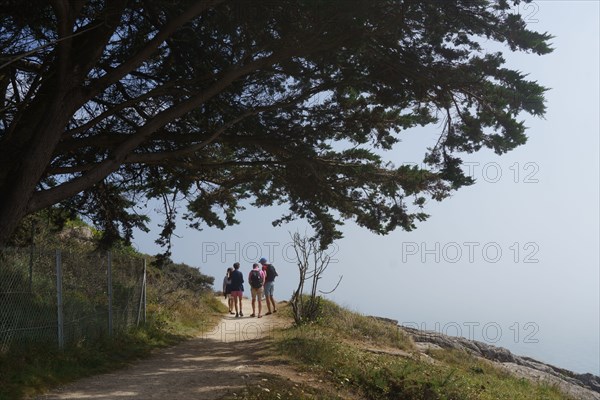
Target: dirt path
222, 359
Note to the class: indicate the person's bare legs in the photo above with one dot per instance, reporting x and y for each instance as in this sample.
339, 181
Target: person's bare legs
272, 302
253, 305
268, 305
259, 304
235, 303
241, 313
268, 292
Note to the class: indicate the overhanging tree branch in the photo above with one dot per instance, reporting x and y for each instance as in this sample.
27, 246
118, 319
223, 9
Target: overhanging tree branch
133, 62
51, 196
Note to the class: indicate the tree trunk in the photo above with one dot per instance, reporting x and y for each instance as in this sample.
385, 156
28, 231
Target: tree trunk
25, 157
27, 148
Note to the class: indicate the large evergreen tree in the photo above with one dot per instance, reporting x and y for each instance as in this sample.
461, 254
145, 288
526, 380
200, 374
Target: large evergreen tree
108, 102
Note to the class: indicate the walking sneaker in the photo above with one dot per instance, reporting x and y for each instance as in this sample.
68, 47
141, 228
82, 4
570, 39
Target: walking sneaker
241, 314
236, 315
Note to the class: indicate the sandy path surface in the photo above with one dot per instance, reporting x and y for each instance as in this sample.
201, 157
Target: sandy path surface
207, 367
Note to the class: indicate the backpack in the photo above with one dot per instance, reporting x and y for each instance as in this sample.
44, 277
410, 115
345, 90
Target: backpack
271, 272
256, 280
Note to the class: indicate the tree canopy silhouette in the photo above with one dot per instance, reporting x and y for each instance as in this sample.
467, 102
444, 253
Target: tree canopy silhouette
219, 103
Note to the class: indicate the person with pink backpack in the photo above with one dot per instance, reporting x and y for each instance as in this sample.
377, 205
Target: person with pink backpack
256, 277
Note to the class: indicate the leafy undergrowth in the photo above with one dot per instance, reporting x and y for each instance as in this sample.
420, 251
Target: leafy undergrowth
32, 369
336, 347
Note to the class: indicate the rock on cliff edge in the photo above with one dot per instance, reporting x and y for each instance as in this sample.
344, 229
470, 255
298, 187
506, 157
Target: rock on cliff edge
581, 386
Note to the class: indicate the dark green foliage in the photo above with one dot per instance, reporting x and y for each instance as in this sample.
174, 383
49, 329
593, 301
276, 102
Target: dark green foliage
262, 102
185, 277
42, 227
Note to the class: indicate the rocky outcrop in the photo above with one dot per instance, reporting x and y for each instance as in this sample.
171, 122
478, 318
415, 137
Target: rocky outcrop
77, 233
581, 386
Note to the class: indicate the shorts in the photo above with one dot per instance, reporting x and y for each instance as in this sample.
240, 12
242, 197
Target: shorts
227, 289
269, 288
257, 292
237, 293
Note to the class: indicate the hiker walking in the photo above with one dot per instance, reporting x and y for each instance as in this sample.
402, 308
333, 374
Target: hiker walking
269, 287
237, 288
227, 289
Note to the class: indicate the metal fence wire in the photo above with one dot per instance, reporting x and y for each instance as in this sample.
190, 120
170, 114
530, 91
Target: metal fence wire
62, 298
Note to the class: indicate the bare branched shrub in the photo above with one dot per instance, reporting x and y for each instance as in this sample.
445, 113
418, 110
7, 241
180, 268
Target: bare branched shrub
312, 261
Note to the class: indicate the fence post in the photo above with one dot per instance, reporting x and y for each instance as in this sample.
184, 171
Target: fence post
110, 293
31, 254
142, 297
145, 284
59, 301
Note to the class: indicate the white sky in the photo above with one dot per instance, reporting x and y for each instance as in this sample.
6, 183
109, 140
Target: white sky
538, 205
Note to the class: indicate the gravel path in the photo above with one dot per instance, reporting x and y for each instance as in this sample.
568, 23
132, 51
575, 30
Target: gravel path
222, 359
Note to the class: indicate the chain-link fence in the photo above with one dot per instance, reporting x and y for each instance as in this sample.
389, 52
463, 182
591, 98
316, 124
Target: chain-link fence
65, 297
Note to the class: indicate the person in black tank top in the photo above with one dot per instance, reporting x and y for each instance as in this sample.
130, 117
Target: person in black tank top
237, 288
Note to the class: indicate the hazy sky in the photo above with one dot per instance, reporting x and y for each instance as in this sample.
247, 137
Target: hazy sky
511, 260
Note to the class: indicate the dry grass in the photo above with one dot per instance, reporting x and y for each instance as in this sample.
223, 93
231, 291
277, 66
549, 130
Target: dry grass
337, 346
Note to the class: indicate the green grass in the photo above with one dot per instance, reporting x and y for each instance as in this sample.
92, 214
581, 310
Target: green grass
33, 369
335, 347
186, 314
368, 330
